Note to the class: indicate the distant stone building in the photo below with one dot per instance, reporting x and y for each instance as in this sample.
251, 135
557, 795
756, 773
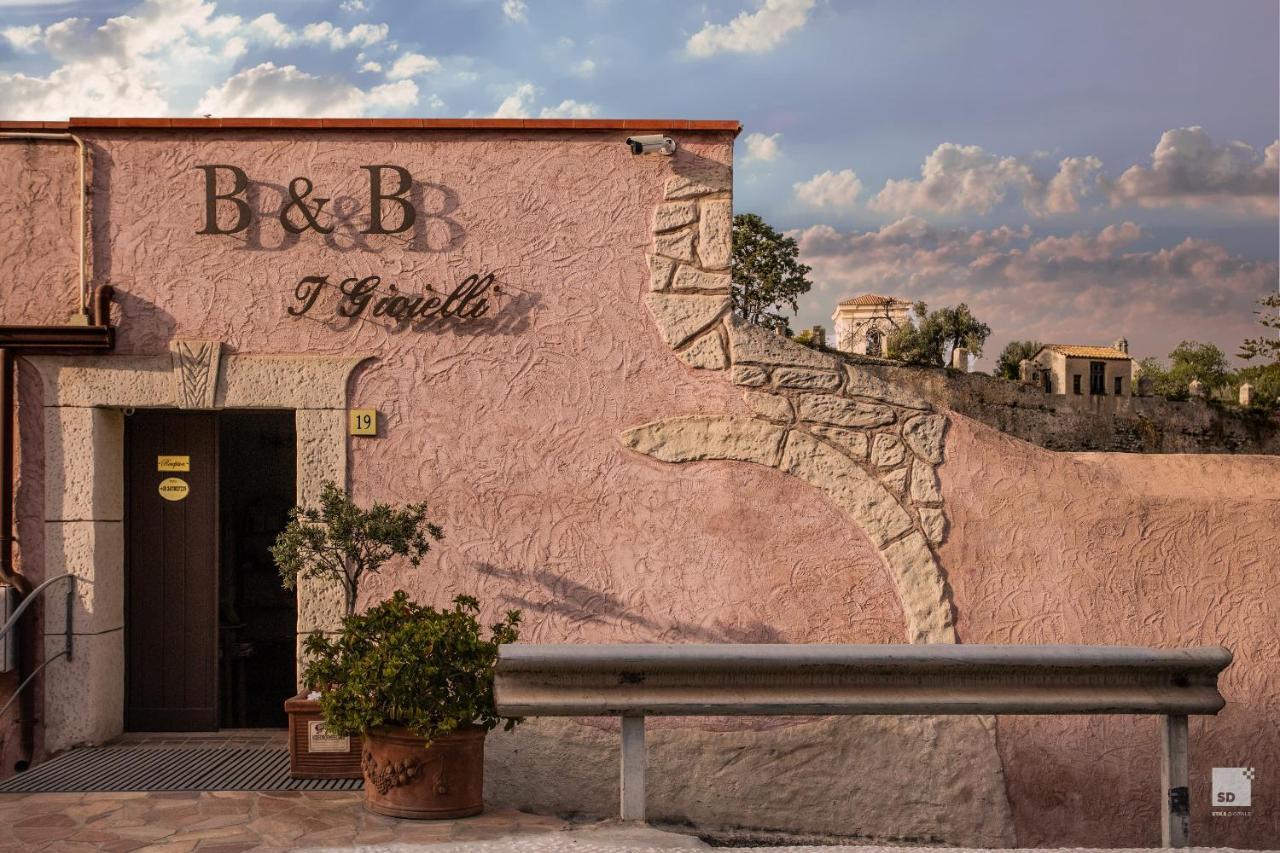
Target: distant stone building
863, 323
1084, 370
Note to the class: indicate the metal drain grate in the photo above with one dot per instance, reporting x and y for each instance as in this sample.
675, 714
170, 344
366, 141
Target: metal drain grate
150, 768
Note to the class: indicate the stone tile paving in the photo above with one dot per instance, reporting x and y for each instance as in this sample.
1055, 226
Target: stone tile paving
230, 822
330, 821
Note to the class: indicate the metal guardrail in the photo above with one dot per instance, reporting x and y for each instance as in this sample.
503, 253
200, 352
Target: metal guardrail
638, 680
69, 634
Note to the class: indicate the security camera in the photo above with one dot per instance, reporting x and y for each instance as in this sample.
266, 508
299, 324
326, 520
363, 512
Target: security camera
651, 144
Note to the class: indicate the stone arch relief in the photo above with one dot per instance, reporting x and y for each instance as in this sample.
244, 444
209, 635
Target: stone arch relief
870, 446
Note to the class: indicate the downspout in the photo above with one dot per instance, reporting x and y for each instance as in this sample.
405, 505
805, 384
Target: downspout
8, 442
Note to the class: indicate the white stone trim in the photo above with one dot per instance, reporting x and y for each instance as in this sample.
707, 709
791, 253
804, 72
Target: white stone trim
84, 402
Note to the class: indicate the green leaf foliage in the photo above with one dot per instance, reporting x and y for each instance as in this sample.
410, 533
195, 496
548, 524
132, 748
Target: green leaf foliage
1009, 364
1265, 346
340, 542
767, 275
405, 664
930, 339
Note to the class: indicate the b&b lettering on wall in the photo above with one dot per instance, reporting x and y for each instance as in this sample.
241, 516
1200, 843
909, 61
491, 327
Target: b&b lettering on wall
229, 212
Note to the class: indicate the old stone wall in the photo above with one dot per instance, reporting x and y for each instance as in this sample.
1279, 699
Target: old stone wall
610, 452
1068, 422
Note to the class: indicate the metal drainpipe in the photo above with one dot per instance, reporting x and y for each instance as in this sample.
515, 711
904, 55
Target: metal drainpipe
8, 440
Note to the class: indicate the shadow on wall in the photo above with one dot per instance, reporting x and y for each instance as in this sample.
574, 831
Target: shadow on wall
511, 311
580, 603
434, 230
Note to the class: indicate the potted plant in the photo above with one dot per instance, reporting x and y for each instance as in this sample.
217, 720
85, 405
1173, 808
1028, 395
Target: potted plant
341, 543
417, 684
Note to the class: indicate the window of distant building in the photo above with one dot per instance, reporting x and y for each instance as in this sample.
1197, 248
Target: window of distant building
1118, 386
873, 341
1075, 383
1097, 377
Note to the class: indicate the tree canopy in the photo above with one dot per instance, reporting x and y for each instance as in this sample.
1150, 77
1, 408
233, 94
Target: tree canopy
767, 273
1009, 364
934, 334
1267, 347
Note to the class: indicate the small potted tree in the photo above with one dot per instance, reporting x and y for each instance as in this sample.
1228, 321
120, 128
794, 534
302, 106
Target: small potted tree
416, 684
340, 543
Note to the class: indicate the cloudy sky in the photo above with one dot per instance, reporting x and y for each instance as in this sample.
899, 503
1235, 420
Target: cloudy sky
1074, 171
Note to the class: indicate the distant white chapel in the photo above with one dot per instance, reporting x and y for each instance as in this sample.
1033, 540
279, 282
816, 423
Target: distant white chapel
863, 323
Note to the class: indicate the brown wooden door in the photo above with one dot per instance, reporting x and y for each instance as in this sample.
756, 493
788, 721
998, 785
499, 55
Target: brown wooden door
171, 574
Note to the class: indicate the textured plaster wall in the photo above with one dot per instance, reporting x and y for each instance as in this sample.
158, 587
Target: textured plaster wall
1170, 550
511, 428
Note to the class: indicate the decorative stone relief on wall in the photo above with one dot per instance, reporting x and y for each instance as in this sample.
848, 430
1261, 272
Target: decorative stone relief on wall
195, 372
872, 447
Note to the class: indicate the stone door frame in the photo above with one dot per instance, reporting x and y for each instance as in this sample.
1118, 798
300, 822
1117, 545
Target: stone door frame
85, 405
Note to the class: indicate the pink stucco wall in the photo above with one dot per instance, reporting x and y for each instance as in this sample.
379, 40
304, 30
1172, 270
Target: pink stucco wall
1167, 550
510, 429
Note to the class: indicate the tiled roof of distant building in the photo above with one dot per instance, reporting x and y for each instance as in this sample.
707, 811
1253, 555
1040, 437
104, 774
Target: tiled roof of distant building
1078, 351
872, 299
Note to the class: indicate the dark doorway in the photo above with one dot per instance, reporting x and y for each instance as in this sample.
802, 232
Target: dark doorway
257, 617
171, 571
209, 631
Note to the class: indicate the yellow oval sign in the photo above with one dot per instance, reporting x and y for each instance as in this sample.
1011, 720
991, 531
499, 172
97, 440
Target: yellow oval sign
174, 488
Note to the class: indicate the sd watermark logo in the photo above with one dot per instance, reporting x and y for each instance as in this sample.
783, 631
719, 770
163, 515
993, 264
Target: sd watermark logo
1232, 790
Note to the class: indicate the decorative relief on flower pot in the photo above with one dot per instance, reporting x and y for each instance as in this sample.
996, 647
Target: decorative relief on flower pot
384, 777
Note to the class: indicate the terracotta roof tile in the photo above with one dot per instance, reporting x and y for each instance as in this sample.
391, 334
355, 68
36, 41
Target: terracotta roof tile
1080, 351
873, 299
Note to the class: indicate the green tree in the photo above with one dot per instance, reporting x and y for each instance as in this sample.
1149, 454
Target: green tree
959, 328
340, 542
1155, 376
1265, 380
1263, 346
1188, 360
930, 339
767, 275
1008, 366
1194, 360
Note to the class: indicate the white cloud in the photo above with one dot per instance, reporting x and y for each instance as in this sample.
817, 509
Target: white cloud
411, 65
272, 30
518, 103
761, 148
585, 68
1077, 177
955, 179
521, 103
361, 35
838, 190
570, 109
516, 11
23, 38
268, 90
1188, 170
353, 6
751, 32
1083, 287
156, 59
370, 65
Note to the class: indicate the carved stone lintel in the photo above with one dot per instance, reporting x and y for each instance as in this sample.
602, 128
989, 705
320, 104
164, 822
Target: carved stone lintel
195, 372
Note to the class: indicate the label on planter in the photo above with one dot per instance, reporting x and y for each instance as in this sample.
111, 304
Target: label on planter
319, 739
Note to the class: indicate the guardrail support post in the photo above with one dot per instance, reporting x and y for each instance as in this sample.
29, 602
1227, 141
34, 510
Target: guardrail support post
633, 767
1175, 811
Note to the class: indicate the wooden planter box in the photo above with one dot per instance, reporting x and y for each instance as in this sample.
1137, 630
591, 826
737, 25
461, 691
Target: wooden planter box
313, 752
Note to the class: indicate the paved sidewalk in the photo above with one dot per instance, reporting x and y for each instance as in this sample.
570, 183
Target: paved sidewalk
231, 822
325, 822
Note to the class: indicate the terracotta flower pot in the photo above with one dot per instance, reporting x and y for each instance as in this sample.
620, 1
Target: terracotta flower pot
404, 778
